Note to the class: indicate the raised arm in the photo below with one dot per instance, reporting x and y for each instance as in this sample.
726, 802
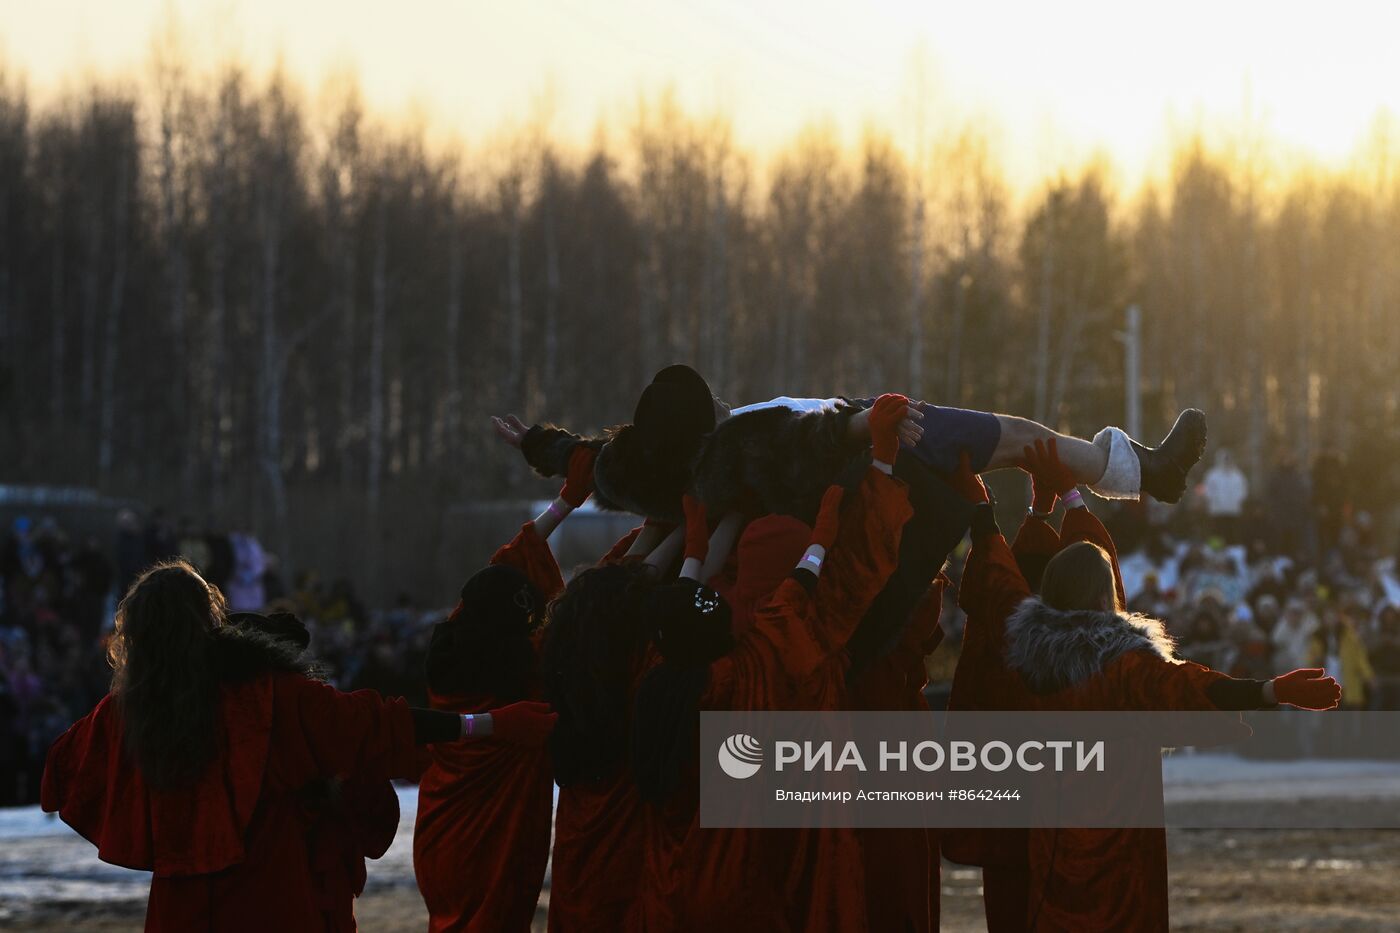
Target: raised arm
578, 486
547, 449
1037, 540
992, 584
1043, 462
853, 554
529, 551
707, 551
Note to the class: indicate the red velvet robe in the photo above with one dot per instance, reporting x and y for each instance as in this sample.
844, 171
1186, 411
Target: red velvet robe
598, 844
229, 852
599, 835
792, 657
481, 839
903, 874
359, 822
1084, 879
1001, 853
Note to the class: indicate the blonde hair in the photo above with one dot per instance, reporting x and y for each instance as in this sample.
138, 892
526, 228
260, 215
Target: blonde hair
1080, 577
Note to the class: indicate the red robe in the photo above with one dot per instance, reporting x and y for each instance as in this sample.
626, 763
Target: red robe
359, 822
903, 874
481, 839
1001, 853
598, 839
1082, 879
598, 854
793, 654
229, 852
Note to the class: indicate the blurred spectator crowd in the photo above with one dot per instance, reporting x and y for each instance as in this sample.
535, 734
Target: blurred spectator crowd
58, 596
1250, 585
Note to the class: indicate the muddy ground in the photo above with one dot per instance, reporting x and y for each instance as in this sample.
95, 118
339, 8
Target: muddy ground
1220, 880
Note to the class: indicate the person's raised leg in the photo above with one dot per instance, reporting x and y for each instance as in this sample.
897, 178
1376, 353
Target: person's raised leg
1113, 464
1087, 460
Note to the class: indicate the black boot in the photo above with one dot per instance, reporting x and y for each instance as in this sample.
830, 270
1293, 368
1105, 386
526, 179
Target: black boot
1165, 466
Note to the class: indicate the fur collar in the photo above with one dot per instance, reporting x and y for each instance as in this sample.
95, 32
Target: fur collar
242, 654
1054, 650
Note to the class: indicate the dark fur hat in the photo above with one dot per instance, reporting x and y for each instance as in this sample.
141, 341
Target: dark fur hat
283, 626
246, 652
678, 404
645, 467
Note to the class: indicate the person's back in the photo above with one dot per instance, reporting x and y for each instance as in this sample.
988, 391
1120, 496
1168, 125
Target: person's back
193, 767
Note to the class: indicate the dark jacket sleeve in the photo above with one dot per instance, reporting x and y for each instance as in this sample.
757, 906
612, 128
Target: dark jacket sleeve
547, 448
774, 460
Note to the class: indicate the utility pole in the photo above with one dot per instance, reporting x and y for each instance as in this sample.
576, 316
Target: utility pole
1131, 337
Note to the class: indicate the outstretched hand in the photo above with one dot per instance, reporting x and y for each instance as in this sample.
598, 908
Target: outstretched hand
1308, 688
527, 723
891, 420
1049, 477
578, 485
828, 517
967, 483
510, 429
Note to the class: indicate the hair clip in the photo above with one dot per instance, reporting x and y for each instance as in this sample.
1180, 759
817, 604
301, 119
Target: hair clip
706, 600
524, 600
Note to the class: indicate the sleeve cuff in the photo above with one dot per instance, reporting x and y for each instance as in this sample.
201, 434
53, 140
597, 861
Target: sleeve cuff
805, 579
984, 521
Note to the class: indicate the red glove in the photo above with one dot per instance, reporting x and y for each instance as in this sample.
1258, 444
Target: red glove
697, 529
828, 518
886, 414
1050, 477
1308, 688
967, 483
578, 485
527, 723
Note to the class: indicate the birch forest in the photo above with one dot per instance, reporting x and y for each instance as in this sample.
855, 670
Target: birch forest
279, 311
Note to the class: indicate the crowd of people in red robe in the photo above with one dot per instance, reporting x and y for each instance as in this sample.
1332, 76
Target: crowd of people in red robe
253, 791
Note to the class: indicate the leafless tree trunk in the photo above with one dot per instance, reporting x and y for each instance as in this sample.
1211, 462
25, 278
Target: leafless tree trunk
378, 314
452, 402
549, 377
272, 377
1042, 342
112, 329
515, 290
58, 377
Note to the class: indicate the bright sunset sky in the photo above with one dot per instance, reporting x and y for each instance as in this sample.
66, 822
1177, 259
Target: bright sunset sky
1057, 80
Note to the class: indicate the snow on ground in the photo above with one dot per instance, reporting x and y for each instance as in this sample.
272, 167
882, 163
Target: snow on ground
43, 861
1219, 777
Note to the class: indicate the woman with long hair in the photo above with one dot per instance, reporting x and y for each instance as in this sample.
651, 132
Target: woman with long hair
595, 650
1001, 853
1074, 647
480, 868
193, 765
792, 656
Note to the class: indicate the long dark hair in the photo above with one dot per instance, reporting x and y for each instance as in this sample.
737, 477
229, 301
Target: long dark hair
485, 645
1080, 577
692, 627
592, 653
163, 671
